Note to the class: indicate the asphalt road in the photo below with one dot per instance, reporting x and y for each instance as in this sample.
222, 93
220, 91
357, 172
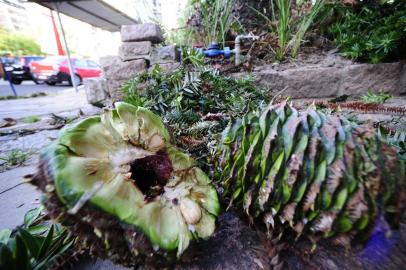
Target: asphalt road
27, 88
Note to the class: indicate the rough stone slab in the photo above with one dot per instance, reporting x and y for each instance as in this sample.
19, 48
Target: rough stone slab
358, 79
96, 90
167, 67
302, 82
319, 82
114, 87
142, 32
402, 83
16, 198
119, 70
135, 50
107, 63
164, 54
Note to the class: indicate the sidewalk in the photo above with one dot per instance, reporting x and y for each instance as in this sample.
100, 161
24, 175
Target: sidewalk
66, 100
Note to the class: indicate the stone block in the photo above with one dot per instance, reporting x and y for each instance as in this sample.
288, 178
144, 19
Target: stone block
107, 64
359, 78
402, 83
96, 91
135, 50
164, 54
324, 81
142, 32
119, 70
114, 88
302, 82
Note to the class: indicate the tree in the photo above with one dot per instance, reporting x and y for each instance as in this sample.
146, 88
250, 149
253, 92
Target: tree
18, 44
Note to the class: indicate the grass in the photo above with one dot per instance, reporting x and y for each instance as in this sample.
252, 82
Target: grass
216, 19
377, 98
40, 94
15, 157
31, 119
291, 31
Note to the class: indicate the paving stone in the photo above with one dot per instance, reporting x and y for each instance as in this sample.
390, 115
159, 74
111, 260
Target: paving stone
67, 100
142, 32
16, 198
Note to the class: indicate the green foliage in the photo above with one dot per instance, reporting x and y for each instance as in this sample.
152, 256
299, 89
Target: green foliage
18, 44
201, 90
195, 102
36, 245
396, 140
290, 29
192, 57
283, 27
375, 33
15, 157
31, 119
216, 19
378, 98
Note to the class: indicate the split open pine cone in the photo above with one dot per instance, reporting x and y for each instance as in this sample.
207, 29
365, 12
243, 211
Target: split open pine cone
117, 182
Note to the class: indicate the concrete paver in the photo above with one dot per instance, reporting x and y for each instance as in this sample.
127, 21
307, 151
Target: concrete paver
27, 88
16, 198
66, 100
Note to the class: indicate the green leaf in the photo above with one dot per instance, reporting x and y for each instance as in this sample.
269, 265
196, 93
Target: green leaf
32, 243
4, 236
22, 259
31, 216
38, 229
7, 261
46, 243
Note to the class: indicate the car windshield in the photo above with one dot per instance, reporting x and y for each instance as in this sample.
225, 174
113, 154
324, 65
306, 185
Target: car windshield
9, 60
52, 60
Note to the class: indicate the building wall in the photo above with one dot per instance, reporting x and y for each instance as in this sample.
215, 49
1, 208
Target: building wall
13, 16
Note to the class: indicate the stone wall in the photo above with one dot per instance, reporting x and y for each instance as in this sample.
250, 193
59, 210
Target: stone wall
140, 50
321, 82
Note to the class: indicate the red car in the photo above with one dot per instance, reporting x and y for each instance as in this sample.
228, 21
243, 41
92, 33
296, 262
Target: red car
53, 70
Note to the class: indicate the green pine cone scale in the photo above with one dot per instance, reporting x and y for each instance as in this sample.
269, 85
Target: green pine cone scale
310, 173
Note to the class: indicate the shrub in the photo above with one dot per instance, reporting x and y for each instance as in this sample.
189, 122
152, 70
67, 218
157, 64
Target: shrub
376, 33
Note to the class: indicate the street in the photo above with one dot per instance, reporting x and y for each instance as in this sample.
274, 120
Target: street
27, 88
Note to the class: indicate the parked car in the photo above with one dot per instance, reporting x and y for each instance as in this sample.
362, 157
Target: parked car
22, 71
18, 68
53, 70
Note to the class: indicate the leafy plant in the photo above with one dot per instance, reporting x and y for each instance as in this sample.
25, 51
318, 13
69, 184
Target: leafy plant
304, 26
396, 140
33, 246
375, 33
216, 19
378, 98
195, 102
192, 57
283, 27
31, 119
15, 157
290, 29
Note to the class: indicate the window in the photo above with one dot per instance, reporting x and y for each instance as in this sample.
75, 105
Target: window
92, 64
80, 63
